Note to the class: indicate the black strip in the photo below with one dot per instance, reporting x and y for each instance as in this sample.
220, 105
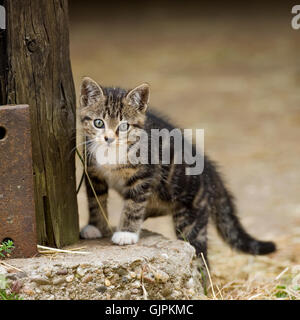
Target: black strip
86, 118
139, 176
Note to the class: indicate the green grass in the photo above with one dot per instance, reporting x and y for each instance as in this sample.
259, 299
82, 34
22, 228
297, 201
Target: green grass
9, 296
5, 291
6, 248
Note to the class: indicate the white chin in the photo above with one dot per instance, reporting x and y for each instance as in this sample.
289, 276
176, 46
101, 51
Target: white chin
111, 155
105, 155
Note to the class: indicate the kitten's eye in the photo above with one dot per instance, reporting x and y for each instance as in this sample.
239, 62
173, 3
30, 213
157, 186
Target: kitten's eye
124, 126
98, 123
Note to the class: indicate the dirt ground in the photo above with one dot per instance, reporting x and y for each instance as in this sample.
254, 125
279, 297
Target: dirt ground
237, 76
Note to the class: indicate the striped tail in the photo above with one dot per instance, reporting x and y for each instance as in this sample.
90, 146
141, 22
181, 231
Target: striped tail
233, 233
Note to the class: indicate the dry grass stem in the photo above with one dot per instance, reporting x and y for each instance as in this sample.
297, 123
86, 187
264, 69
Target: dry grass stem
211, 284
92, 187
8, 266
55, 250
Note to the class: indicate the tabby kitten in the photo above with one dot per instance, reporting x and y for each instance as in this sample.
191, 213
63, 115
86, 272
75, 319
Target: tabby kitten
108, 116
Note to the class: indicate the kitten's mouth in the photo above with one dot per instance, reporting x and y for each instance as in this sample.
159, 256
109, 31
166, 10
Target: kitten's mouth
115, 146
110, 154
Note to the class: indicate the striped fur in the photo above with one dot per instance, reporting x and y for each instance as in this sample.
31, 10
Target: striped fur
151, 190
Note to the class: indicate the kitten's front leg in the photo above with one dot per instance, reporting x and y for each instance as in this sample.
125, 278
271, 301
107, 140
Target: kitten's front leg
133, 214
97, 226
132, 218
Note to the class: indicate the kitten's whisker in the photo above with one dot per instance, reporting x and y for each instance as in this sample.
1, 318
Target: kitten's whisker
76, 147
80, 144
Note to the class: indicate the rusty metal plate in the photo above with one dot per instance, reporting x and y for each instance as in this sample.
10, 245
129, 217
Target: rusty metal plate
17, 210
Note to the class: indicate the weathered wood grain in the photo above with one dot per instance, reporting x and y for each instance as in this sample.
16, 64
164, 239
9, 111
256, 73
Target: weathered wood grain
39, 73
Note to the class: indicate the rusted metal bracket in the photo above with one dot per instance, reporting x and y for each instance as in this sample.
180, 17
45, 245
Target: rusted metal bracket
17, 209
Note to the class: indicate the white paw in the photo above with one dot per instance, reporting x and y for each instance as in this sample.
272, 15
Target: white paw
90, 232
124, 237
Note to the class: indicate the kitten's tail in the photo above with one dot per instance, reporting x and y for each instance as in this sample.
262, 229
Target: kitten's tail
232, 232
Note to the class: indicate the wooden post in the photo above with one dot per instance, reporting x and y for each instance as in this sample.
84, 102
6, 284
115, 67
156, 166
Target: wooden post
36, 70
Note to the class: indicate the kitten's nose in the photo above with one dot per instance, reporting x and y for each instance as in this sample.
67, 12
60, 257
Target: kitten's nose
109, 140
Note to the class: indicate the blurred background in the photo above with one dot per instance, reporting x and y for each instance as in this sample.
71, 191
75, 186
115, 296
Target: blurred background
231, 68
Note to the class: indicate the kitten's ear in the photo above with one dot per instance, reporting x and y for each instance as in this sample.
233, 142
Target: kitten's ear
90, 92
139, 97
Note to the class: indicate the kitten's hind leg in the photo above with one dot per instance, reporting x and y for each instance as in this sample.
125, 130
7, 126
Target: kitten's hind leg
191, 226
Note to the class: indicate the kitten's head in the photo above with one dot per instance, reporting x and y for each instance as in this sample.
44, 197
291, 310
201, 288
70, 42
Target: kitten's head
110, 115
